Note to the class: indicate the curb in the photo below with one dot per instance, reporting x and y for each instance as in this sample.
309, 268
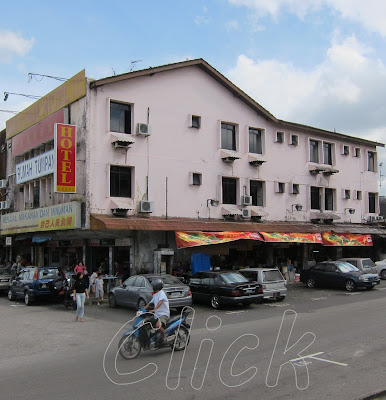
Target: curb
375, 395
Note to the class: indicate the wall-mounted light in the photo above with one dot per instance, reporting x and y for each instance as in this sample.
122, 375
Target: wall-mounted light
212, 202
32, 75
350, 210
6, 95
298, 207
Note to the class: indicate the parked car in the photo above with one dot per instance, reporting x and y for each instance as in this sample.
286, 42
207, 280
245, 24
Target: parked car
33, 283
338, 274
274, 285
137, 291
224, 287
6, 275
381, 268
364, 264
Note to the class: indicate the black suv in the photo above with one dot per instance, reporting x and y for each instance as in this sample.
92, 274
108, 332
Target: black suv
35, 282
224, 287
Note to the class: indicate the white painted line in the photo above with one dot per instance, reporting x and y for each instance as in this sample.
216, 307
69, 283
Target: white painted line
234, 312
381, 288
353, 294
313, 357
277, 305
17, 305
318, 298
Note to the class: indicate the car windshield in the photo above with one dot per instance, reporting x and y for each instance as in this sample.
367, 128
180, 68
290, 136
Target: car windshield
232, 277
166, 279
48, 273
5, 271
368, 263
271, 276
347, 267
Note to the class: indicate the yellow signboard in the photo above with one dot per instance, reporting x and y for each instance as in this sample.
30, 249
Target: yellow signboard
67, 93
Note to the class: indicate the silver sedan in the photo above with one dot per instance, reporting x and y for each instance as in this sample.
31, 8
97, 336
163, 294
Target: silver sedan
137, 291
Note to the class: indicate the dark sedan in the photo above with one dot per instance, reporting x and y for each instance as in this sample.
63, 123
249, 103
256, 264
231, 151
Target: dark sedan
6, 277
338, 274
224, 287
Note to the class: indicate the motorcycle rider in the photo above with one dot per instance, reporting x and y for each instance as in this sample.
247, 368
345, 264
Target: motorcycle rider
161, 306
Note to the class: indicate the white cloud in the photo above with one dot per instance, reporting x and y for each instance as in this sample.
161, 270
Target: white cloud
200, 19
370, 14
344, 92
13, 44
232, 25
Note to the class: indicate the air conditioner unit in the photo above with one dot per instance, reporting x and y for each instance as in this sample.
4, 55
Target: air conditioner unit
3, 183
246, 200
4, 205
146, 206
246, 213
143, 129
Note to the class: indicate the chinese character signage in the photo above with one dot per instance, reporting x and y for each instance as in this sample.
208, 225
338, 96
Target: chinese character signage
65, 151
60, 217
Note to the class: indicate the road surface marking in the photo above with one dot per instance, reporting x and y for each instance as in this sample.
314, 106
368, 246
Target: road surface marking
318, 298
353, 294
277, 305
234, 312
17, 305
313, 357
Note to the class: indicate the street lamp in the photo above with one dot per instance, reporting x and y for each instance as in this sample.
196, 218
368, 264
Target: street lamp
6, 95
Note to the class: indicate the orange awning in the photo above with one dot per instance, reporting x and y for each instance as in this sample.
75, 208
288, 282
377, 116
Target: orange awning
346, 239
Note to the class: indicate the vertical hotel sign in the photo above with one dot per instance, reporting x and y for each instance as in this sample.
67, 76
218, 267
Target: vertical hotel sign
65, 152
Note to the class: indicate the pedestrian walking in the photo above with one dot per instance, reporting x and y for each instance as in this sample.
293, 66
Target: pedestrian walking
80, 294
99, 293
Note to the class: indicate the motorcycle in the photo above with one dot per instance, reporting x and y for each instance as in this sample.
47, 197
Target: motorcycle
145, 336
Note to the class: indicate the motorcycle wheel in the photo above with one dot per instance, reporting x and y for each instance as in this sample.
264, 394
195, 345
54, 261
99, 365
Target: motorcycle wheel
129, 347
181, 340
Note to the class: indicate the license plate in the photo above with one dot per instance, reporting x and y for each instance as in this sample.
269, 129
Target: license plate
374, 283
175, 294
249, 290
276, 295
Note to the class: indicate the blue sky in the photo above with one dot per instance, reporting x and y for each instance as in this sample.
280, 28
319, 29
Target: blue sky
316, 62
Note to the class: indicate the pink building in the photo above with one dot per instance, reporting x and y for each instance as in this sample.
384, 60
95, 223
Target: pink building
181, 148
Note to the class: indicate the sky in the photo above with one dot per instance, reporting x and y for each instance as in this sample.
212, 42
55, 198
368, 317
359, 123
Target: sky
316, 62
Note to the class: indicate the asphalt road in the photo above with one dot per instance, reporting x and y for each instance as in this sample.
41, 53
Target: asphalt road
235, 353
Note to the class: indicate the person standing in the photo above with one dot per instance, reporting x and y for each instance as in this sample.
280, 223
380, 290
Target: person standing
118, 272
91, 288
80, 267
99, 293
80, 294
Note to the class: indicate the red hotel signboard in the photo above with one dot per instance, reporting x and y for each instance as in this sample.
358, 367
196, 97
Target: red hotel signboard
65, 151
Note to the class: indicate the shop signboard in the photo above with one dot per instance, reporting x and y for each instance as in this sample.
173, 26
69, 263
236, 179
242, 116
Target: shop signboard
191, 239
36, 167
346, 239
292, 237
65, 153
8, 241
59, 217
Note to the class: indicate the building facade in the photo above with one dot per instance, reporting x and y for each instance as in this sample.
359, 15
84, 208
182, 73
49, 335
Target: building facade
179, 148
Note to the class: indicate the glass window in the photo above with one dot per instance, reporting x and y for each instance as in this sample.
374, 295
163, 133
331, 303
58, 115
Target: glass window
229, 190
120, 117
48, 273
120, 181
140, 281
130, 281
36, 202
233, 277
280, 187
257, 192
315, 198
368, 263
196, 178
372, 197
329, 199
371, 161
272, 276
295, 188
280, 137
327, 153
196, 121
294, 140
314, 151
346, 150
228, 136
255, 145
347, 267
357, 152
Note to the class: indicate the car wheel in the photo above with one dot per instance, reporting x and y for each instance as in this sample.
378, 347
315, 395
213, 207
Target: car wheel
27, 299
350, 285
112, 301
311, 283
141, 303
369, 287
383, 274
129, 347
11, 296
181, 340
215, 301
281, 298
